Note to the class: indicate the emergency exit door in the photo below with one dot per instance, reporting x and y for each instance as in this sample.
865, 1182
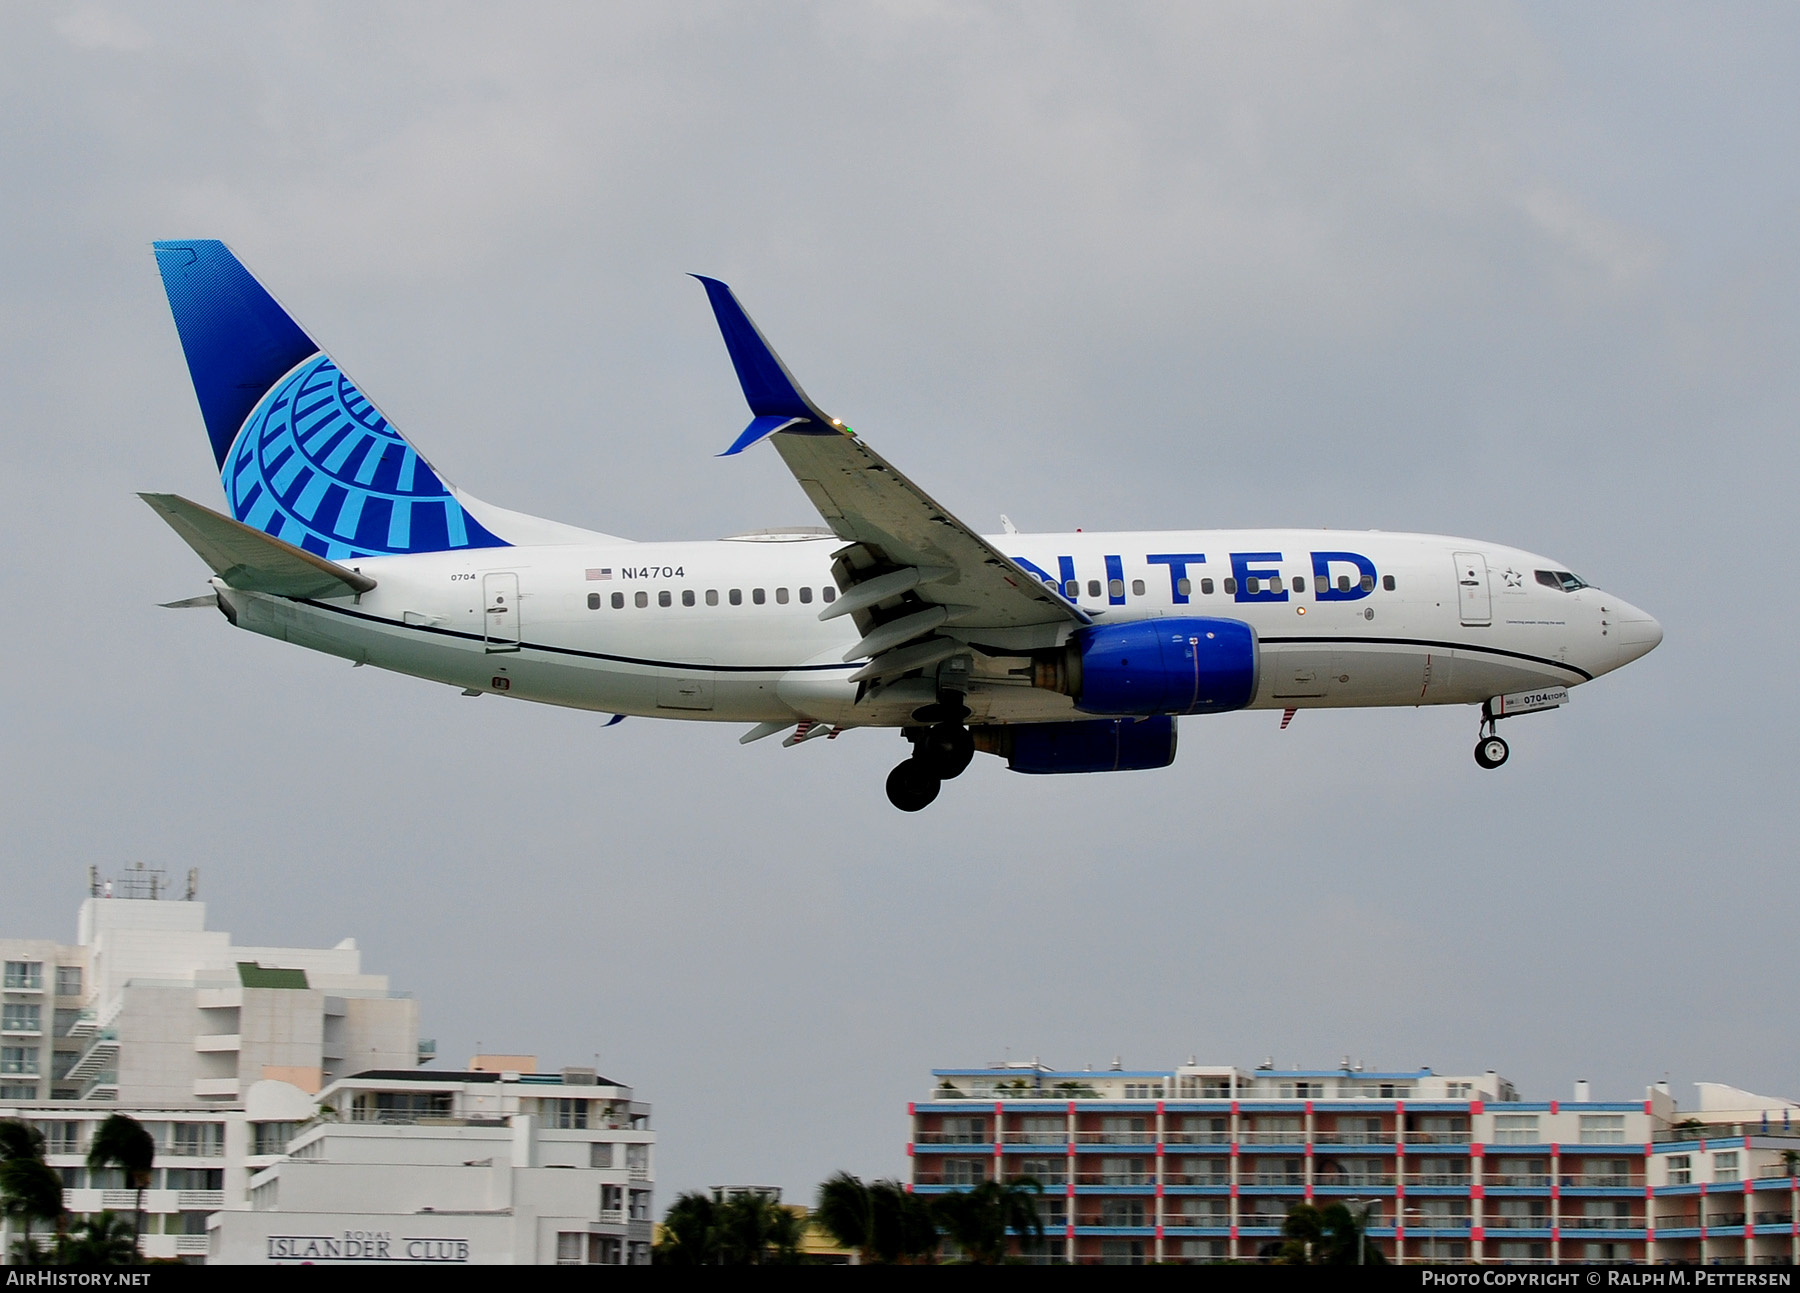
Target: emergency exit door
1473, 598
500, 597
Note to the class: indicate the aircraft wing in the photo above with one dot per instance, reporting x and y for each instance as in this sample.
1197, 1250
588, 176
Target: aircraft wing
911, 568
246, 558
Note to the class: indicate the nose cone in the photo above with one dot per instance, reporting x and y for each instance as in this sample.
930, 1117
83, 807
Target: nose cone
1638, 633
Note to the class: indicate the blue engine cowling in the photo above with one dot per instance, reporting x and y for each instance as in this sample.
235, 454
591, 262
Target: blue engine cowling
1091, 745
1167, 666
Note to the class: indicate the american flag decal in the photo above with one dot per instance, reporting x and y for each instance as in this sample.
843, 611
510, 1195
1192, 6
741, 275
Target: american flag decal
604, 572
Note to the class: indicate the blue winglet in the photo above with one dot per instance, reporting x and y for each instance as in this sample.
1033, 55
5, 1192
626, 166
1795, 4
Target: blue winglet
761, 429
769, 388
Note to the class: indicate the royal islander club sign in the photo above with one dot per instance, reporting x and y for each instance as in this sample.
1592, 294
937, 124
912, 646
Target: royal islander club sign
368, 1246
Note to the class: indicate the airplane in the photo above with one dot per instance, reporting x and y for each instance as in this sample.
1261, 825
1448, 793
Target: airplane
1060, 653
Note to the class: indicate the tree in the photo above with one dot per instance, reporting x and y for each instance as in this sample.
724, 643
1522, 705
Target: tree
980, 1219
883, 1221
1328, 1236
105, 1240
1790, 1159
748, 1229
122, 1142
29, 1189
689, 1232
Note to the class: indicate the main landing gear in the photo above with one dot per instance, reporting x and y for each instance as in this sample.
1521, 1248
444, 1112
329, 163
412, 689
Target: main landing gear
941, 752
1491, 750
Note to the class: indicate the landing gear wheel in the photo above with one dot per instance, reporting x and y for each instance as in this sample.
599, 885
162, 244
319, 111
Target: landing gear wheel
948, 749
1491, 751
912, 785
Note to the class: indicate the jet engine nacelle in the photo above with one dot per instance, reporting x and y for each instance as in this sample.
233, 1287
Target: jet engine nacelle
1166, 666
1091, 745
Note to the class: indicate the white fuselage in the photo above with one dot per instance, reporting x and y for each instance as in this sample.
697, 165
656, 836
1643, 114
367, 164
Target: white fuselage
654, 629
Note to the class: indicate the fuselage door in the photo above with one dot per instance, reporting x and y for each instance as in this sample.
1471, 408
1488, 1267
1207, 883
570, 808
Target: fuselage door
500, 595
1473, 599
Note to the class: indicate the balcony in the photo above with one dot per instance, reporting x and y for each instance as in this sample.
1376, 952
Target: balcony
1734, 1220
1115, 1138
612, 1216
1437, 1221
1035, 1138
1517, 1180
1678, 1221
85, 1025
1115, 1178
1296, 1179
1354, 1138
1602, 1223
216, 1088
1603, 1181
198, 1200
191, 1245
953, 1138
1515, 1221
1272, 1138
1437, 1138
1449, 1180
1357, 1180
215, 1043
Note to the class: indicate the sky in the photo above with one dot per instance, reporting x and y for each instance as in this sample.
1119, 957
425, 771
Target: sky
1526, 273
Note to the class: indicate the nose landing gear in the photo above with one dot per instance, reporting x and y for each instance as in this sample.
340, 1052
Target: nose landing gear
1491, 750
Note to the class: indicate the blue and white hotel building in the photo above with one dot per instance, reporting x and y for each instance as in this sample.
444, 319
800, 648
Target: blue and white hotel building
1202, 1163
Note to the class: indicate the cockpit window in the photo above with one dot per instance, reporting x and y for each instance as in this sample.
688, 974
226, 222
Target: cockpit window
1562, 580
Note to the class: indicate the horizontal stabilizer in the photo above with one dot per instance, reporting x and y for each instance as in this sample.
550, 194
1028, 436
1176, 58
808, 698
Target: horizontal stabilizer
206, 600
250, 560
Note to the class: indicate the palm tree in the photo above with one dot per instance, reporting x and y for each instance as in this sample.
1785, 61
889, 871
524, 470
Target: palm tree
884, 1222
1328, 1236
29, 1189
980, 1219
105, 1240
122, 1142
690, 1232
1790, 1159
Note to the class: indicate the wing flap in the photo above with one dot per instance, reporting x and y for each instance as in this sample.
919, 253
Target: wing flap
250, 560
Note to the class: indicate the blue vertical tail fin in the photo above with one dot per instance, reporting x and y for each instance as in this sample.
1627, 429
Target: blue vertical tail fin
302, 453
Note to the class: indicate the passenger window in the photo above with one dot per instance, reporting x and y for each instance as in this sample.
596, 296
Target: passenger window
781, 596
1387, 582
643, 600
1299, 583
1253, 585
1343, 583
618, 601
712, 597
1093, 588
1368, 583
736, 597
687, 597
1231, 586
1072, 589
1206, 587
1115, 588
805, 595
828, 594
1137, 588
663, 598
758, 596
1184, 586
593, 601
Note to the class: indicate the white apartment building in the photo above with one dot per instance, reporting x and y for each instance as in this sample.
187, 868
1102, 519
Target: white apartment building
227, 1053
149, 1007
473, 1168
